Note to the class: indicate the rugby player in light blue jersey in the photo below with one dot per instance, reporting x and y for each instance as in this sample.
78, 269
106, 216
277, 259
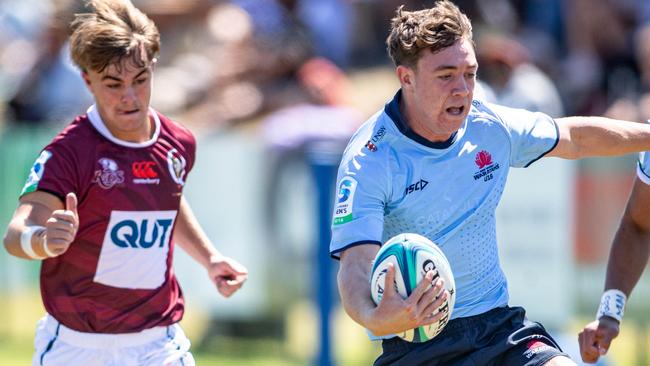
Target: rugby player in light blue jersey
434, 162
627, 260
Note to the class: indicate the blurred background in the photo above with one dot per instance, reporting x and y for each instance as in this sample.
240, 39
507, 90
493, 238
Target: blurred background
273, 89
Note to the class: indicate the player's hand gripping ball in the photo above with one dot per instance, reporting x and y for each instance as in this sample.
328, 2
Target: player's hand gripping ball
413, 256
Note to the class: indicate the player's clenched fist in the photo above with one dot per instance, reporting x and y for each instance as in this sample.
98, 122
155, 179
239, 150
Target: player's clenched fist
596, 338
61, 227
227, 274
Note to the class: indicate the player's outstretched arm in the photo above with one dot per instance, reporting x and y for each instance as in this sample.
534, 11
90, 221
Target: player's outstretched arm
393, 314
42, 226
627, 260
582, 137
227, 274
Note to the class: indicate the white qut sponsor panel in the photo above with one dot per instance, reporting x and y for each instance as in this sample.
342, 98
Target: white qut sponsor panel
135, 247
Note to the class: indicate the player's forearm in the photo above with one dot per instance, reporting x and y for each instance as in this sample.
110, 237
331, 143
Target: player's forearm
191, 238
14, 246
582, 137
11, 240
628, 258
353, 282
30, 212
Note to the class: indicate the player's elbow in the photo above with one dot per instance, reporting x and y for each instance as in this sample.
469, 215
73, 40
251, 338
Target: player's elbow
6, 240
578, 139
11, 238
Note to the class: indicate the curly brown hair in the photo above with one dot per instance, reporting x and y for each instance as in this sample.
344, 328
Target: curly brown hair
111, 31
434, 29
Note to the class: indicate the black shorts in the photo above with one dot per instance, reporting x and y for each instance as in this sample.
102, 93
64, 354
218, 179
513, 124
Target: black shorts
499, 337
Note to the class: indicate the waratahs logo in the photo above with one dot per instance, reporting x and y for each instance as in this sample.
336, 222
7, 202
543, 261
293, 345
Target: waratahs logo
483, 159
344, 190
486, 166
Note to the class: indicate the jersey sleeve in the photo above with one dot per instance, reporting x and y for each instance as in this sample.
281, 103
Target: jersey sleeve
190, 146
54, 171
361, 195
532, 134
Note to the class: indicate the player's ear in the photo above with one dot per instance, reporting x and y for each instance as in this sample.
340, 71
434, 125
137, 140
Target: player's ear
86, 78
405, 76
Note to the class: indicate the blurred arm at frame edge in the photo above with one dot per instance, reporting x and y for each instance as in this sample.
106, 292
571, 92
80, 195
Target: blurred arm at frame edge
627, 259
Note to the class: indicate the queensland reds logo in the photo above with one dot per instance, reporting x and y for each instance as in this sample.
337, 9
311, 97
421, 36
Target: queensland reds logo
176, 164
483, 159
109, 175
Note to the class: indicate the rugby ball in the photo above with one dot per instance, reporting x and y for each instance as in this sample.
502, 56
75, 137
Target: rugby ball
413, 256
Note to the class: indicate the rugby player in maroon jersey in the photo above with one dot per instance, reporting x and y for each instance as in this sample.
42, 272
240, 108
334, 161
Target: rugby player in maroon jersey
103, 208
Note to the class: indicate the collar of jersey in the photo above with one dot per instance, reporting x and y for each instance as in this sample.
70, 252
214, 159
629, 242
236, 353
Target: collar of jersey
100, 126
392, 110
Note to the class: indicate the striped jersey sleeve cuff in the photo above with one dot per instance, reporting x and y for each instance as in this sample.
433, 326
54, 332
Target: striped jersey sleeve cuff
336, 254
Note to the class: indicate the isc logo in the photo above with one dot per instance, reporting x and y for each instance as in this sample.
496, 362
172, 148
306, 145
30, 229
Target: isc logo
417, 186
140, 229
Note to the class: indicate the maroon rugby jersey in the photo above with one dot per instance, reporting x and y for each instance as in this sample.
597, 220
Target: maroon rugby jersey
116, 277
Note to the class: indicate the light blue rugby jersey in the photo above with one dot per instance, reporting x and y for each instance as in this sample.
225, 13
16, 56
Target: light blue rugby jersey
389, 183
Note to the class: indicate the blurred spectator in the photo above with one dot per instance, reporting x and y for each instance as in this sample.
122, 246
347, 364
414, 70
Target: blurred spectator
600, 67
201, 76
53, 90
244, 52
21, 21
515, 81
317, 113
330, 26
32, 61
321, 110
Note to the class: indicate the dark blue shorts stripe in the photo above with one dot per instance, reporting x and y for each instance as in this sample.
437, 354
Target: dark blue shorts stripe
170, 337
51, 343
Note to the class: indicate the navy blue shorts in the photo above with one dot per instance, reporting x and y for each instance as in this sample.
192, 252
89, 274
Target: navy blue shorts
499, 337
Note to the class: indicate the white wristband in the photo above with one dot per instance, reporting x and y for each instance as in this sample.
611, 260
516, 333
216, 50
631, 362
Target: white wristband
612, 304
46, 249
26, 241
